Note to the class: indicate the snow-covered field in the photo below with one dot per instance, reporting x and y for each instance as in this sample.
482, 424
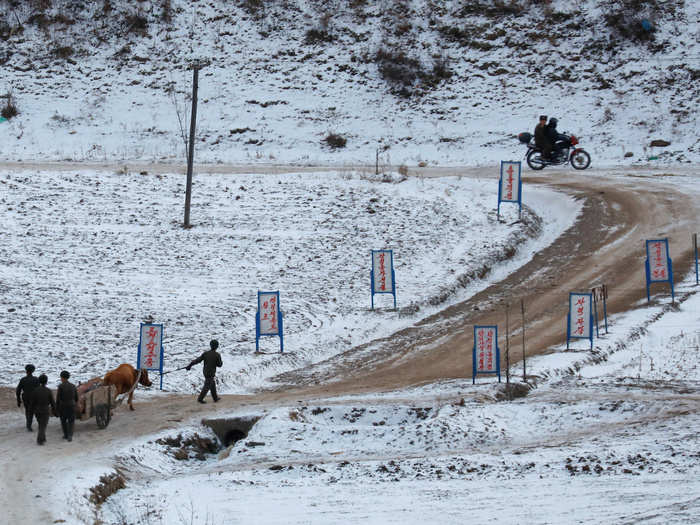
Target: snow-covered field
613, 442
86, 256
608, 436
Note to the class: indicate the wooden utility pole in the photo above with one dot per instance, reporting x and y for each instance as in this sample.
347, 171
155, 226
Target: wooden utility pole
190, 149
695, 250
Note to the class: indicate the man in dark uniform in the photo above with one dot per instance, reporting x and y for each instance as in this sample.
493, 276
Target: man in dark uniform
41, 399
542, 140
554, 136
212, 360
66, 399
24, 390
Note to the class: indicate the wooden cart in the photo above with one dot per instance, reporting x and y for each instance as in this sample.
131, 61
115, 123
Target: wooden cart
96, 400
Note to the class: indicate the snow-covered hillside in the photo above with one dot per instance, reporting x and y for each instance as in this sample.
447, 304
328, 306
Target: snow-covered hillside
410, 82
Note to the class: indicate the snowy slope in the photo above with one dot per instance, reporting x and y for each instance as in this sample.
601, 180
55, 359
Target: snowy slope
92, 83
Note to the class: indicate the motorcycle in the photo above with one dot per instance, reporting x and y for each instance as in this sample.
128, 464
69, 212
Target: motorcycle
564, 152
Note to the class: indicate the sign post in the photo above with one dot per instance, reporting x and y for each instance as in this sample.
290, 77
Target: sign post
381, 276
600, 294
658, 265
579, 320
268, 318
150, 353
510, 186
486, 355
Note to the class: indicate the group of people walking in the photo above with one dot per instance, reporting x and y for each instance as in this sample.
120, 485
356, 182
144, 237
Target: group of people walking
38, 399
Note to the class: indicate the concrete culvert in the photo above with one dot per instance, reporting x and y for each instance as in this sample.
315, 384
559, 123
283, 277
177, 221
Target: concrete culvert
232, 436
231, 429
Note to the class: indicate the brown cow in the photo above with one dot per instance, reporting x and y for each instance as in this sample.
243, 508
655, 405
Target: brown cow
124, 377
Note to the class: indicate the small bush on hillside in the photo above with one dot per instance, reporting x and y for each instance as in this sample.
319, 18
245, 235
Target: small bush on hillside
335, 141
9, 110
166, 13
630, 19
407, 74
254, 8
5, 30
40, 5
63, 51
40, 20
491, 8
468, 36
317, 36
136, 23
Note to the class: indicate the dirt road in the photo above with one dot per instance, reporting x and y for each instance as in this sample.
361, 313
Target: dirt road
606, 245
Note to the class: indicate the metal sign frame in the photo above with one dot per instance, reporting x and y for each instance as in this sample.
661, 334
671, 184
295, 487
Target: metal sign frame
669, 266
141, 354
569, 334
496, 350
519, 186
280, 322
393, 277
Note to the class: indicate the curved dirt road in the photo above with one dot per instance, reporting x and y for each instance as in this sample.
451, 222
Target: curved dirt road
605, 246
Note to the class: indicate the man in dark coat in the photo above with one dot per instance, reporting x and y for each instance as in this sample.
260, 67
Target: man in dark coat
66, 399
212, 360
542, 140
41, 399
554, 136
24, 389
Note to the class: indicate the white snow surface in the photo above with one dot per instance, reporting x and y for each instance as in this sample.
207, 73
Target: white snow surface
608, 435
614, 441
89, 255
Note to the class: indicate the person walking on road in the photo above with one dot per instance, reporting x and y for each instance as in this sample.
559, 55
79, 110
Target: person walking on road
212, 360
41, 399
24, 390
66, 399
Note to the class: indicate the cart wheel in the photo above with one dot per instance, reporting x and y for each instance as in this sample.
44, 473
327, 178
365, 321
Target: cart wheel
102, 415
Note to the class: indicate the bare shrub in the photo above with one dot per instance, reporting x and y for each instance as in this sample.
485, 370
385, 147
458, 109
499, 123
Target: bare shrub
409, 75
136, 23
491, 8
109, 484
254, 8
194, 446
166, 13
629, 19
468, 36
63, 51
5, 30
335, 141
317, 36
9, 110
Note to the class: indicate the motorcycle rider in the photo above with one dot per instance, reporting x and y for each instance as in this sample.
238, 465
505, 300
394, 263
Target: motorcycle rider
541, 139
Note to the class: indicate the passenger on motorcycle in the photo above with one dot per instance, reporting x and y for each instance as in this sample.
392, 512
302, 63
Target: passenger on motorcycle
555, 138
541, 139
